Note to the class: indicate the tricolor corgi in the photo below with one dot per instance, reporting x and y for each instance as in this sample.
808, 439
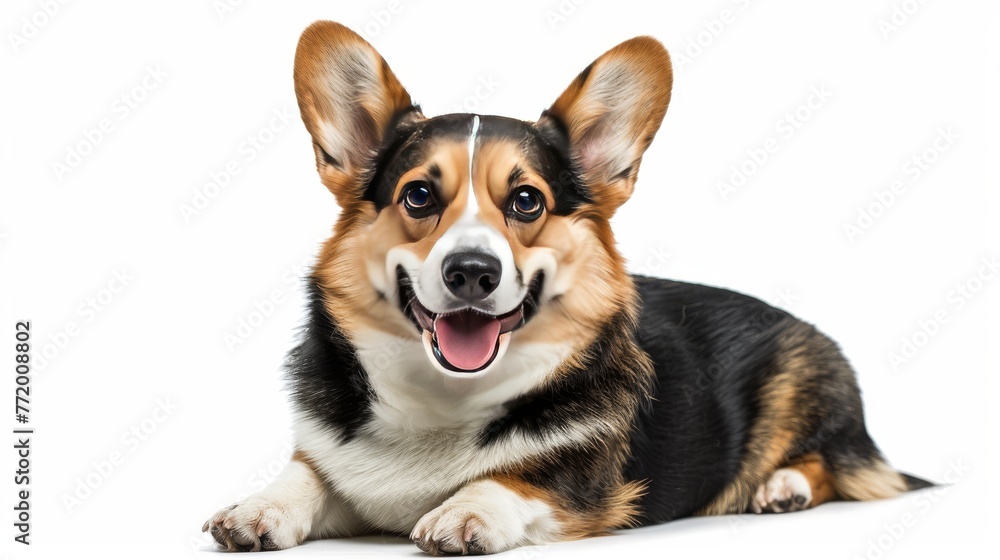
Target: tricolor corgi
478, 369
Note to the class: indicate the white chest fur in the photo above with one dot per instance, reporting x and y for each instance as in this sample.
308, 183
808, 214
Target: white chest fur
391, 479
421, 443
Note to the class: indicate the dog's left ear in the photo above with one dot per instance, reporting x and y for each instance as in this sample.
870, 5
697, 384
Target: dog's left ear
349, 99
610, 114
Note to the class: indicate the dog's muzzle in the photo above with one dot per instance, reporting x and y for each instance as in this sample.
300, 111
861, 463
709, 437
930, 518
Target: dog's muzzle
467, 340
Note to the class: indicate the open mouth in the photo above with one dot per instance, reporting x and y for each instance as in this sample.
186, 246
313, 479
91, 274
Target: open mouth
466, 340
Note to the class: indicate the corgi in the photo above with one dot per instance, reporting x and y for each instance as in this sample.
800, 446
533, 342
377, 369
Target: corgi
479, 371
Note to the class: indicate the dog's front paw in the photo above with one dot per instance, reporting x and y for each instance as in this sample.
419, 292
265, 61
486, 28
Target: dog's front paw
485, 517
461, 528
256, 524
467, 528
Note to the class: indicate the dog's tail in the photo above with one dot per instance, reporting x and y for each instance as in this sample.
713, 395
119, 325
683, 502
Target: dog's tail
860, 472
915, 483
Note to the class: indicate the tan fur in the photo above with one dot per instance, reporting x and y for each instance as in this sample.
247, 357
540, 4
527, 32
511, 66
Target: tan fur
349, 297
301, 457
620, 510
820, 479
770, 439
874, 482
776, 430
329, 61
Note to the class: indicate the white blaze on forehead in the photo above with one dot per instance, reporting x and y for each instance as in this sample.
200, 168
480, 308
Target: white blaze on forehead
471, 204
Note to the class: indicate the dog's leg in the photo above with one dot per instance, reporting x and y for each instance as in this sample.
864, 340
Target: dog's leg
295, 506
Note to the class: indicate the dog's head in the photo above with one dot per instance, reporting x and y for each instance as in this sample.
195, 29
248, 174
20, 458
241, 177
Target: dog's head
475, 234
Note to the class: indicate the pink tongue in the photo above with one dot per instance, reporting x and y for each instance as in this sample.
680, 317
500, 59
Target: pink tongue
467, 339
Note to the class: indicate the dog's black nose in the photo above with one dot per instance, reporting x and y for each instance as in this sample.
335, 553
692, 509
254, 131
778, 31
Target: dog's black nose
471, 275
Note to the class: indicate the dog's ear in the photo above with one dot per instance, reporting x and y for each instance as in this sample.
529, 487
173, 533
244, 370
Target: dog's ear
610, 114
349, 99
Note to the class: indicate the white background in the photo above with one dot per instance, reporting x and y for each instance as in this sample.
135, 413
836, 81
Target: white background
161, 337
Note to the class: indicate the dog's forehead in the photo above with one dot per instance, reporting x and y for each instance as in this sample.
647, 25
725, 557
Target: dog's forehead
411, 144
546, 152
407, 145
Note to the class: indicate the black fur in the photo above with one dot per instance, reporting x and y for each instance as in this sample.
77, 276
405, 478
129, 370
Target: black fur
324, 376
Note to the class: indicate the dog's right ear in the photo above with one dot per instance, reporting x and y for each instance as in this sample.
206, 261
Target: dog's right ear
610, 114
349, 98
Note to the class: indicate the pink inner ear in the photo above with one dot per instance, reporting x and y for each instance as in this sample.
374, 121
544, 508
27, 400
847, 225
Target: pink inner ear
588, 154
603, 154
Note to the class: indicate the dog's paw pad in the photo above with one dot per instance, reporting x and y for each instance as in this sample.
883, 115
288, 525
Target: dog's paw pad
786, 490
253, 525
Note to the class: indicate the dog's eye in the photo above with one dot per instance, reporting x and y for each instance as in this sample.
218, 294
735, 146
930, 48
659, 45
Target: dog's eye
418, 200
527, 204
418, 196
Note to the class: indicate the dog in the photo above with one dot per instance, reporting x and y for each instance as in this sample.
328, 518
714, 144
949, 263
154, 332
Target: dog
479, 371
